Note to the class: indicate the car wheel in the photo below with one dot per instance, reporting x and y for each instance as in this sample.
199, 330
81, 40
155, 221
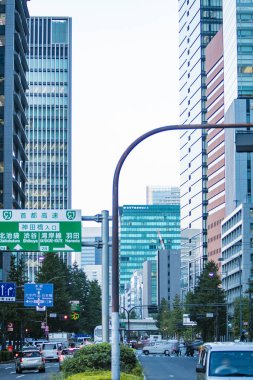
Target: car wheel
42, 370
146, 352
166, 353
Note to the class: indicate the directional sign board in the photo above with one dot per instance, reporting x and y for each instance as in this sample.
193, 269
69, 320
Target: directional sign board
39, 295
8, 291
40, 230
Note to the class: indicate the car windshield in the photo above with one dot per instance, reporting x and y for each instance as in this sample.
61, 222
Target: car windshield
49, 346
31, 354
231, 363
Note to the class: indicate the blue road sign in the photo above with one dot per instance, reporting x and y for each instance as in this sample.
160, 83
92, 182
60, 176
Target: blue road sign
39, 295
8, 291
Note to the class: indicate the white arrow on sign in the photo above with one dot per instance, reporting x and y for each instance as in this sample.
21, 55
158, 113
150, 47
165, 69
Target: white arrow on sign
2, 287
9, 289
17, 247
66, 248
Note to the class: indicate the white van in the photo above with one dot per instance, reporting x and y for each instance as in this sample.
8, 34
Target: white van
157, 348
50, 351
219, 361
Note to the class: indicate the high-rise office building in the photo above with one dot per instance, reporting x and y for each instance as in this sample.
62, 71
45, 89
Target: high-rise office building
13, 105
238, 103
215, 144
49, 115
162, 195
161, 279
199, 21
144, 229
230, 174
50, 106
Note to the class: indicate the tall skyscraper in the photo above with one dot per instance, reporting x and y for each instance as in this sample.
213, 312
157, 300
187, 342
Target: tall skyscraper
199, 21
13, 105
215, 144
162, 195
238, 83
50, 115
145, 229
49, 98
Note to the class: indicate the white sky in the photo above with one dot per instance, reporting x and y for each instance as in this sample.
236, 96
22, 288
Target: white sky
125, 83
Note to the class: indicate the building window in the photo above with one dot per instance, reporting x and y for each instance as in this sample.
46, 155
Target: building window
2, 18
59, 31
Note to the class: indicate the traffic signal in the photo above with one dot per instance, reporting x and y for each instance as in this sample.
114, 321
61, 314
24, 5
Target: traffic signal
63, 317
153, 309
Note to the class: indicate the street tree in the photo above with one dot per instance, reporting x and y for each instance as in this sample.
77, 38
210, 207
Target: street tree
94, 307
176, 318
241, 315
53, 270
79, 292
15, 313
163, 318
206, 305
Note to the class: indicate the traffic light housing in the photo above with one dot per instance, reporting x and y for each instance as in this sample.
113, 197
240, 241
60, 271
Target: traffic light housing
153, 309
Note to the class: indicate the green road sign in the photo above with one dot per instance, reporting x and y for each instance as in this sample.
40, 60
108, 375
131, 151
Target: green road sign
40, 230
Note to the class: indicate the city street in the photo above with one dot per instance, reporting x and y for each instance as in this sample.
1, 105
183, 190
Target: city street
161, 367
7, 372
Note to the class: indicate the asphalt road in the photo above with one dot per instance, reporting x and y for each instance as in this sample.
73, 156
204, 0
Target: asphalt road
7, 372
161, 367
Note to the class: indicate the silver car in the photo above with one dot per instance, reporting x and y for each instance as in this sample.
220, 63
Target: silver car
29, 360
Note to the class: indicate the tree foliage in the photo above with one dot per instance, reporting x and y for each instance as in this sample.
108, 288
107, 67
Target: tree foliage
163, 318
206, 305
70, 284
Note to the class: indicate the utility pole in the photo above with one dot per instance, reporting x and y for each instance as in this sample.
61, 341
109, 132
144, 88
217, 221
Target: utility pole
105, 276
103, 218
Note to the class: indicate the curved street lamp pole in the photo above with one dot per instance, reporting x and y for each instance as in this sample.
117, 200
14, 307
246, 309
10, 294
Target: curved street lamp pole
115, 359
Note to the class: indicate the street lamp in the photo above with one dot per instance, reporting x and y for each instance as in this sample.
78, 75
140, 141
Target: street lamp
115, 367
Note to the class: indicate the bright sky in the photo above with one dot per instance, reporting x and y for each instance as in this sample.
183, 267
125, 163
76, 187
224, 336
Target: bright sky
125, 83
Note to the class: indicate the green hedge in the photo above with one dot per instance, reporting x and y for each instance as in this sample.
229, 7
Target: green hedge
5, 356
106, 375
98, 357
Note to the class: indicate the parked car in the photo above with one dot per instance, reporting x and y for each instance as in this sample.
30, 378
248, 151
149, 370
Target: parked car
65, 354
157, 348
29, 360
50, 351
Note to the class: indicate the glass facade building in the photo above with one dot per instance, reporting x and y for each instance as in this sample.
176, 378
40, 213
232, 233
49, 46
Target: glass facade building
162, 195
199, 21
49, 114
49, 129
238, 50
13, 105
144, 229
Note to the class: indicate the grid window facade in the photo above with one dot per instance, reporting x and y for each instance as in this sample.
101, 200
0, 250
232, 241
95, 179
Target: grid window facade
49, 129
143, 231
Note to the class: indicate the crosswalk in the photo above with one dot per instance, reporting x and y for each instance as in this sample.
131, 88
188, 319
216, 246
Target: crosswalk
140, 354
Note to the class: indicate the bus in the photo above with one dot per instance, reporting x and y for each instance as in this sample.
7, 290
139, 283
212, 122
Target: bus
98, 337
